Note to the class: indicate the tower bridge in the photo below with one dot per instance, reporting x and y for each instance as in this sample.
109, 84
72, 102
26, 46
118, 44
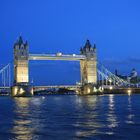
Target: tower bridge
87, 58
94, 76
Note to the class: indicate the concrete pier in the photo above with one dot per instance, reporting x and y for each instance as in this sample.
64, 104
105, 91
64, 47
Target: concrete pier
22, 91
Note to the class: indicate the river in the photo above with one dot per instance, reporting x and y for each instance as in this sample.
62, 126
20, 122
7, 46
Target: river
70, 117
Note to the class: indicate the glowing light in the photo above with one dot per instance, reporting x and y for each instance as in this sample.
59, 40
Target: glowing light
88, 90
32, 91
15, 91
110, 87
21, 91
77, 91
43, 97
94, 89
101, 89
111, 95
78, 83
129, 92
59, 54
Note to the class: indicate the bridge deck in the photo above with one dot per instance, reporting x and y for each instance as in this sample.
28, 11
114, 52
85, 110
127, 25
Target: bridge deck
56, 57
70, 87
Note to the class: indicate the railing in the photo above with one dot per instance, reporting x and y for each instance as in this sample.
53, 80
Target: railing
5, 76
107, 78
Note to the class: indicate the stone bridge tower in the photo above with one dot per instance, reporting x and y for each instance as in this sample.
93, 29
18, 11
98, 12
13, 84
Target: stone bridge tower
88, 67
21, 73
21, 63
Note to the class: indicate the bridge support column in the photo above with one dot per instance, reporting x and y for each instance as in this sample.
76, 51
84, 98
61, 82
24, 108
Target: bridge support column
21, 73
22, 91
88, 67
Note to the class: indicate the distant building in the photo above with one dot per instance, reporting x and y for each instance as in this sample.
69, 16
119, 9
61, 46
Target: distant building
132, 78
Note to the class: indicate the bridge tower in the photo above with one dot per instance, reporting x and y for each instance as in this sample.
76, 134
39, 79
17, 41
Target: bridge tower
88, 67
21, 71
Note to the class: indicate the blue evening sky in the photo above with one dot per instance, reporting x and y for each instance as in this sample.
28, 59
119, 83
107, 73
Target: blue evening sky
64, 25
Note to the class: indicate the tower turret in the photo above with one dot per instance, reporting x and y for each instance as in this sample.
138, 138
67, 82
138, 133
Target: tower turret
21, 62
88, 66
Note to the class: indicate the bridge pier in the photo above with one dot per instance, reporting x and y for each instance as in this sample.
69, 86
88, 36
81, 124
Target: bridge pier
22, 91
21, 85
86, 89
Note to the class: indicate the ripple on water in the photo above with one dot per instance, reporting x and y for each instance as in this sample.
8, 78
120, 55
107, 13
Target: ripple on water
70, 117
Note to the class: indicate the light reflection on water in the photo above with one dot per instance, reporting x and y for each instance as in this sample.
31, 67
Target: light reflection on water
70, 117
130, 115
23, 127
22, 121
89, 126
111, 115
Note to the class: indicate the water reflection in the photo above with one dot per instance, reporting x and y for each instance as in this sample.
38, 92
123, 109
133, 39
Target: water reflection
111, 115
87, 123
86, 101
129, 103
23, 121
130, 115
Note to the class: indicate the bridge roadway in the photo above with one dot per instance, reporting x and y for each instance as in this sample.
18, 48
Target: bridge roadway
6, 87
60, 56
5, 90
76, 87
40, 88
69, 87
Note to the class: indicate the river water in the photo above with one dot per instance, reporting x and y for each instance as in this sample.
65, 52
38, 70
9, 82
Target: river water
70, 117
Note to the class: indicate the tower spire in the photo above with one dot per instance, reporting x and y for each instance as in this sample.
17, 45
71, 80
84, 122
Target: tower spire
87, 45
20, 40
